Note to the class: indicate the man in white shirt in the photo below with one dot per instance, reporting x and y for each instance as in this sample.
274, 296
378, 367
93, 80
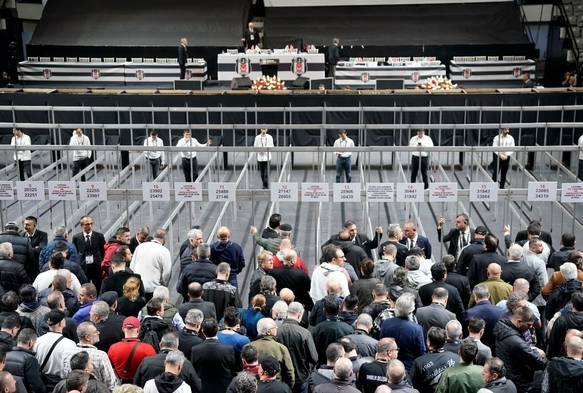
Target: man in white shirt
331, 269
22, 157
343, 160
155, 157
264, 157
56, 321
419, 157
153, 262
503, 139
81, 158
189, 162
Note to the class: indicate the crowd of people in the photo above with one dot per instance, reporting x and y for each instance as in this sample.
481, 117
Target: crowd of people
90, 315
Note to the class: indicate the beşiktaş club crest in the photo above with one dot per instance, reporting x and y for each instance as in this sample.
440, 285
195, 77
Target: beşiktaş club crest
140, 74
47, 73
187, 74
516, 72
415, 76
299, 65
365, 77
243, 66
467, 73
95, 74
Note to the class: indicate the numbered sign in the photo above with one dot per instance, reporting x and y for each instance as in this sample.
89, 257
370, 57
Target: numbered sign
156, 191
380, 192
6, 191
284, 192
483, 192
315, 192
410, 192
30, 190
572, 192
346, 192
93, 191
542, 191
190, 192
222, 192
62, 191
443, 192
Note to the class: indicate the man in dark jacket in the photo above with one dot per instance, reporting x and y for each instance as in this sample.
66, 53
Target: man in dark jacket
565, 374
478, 270
570, 320
220, 292
562, 294
91, 247
21, 362
38, 238
202, 270
110, 330
331, 330
515, 269
476, 246
297, 280
494, 375
152, 366
520, 359
324, 373
195, 238
459, 281
224, 250
485, 310
352, 253
195, 301
559, 257
190, 335
332, 57
22, 249
12, 273
60, 234
395, 236
56, 301
120, 276
342, 379
361, 239
454, 300
10, 328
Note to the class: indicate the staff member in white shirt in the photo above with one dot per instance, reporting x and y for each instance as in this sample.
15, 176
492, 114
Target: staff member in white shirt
343, 160
504, 139
22, 157
155, 157
189, 162
420, 156
264, 157
81, 158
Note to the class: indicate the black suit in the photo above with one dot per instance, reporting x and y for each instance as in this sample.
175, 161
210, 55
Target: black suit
454, 300
517, 269
476, 246
97, 251
251, 41
544, 236
402, 252
109, 332
461, 283
422, 242
478, 271
295, 279
116, 281
363, 242
332, 57
453, 237
182, 60
215, 364
37, 241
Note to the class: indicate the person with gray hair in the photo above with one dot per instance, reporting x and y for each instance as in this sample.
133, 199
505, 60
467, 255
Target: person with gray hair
12, 274
436, 313
189, 249
266, 344
519, 298
407, 334
195, 301
300, 344
453, 334
169, 380
395, 234
365, 345
279, 311
191, 334
153, 366
245, 382
202, 270
561, 295
416, 276
557, 278
267, 287
153, 262
220, 291
342, 379
397, 377
515, 269
60, 234
110, 329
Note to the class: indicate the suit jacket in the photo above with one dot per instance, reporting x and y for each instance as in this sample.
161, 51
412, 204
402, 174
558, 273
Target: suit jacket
476, 246
295, 279
402, 252
452, 237
489, 313
529, 84
215, 364
461, 283
40, 239
544, 236
454, 300
134, 243
433, 315
478, 271
333, 54
517, 269
182, 55
363, 242
422, 242
248, 41
97, 247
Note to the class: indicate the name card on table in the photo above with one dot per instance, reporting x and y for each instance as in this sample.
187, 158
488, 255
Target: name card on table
156, 191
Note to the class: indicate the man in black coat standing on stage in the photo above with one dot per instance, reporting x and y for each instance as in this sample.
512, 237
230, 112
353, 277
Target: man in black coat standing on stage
183, 57
250, 37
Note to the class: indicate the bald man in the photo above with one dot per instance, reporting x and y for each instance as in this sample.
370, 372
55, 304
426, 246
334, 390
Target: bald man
284, 246
287, 295
498, 289
297, 280
224, 250
333, 289
564, 373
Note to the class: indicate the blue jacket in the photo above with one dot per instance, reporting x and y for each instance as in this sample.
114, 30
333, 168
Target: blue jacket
409, 338
83, 313
201, 271
228, 252
48, 250
489, 313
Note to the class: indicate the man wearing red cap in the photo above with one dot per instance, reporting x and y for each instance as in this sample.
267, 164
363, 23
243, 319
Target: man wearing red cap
126, 355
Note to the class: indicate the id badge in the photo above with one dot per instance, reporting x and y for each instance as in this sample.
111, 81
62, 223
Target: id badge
252, 37
88, 259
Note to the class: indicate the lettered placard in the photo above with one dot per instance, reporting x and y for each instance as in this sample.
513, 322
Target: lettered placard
380, 192
62, 191
30, 190
315, 192
545, 191
189, 192
410, 192
346, 192
284, 192
222, 192
156, 191
93, 191
483, 192
572, 192
443, 192
6, 191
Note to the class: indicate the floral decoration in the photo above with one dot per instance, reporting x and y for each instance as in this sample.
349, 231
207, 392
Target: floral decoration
438, 83
268, 83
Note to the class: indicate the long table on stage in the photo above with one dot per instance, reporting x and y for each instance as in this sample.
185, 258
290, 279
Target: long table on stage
483, 74
237, 65
100, 74
361, 74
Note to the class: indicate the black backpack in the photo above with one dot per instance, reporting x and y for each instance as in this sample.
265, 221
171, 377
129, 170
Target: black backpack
152, 330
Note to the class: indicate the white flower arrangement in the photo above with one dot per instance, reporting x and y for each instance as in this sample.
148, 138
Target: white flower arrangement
268, 83
438, 83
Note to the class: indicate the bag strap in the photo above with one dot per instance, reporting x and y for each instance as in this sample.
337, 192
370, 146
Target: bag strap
50, 352
129, 362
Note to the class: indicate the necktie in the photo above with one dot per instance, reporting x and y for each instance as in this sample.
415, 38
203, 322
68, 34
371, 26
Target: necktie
87, 243
411, 245
464, 240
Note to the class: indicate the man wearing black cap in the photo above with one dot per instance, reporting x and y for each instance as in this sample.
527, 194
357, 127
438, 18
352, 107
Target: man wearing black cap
22, 248
268, 369
476, 246
155, 158
272, 244
52, 360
